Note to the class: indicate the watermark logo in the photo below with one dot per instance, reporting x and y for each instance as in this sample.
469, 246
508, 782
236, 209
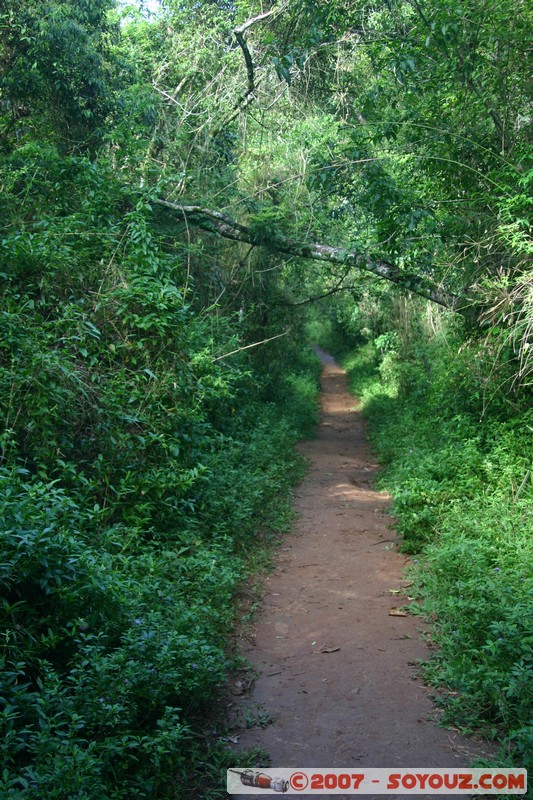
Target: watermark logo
424, 781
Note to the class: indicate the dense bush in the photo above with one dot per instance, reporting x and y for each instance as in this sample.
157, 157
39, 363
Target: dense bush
136, 471
457, 458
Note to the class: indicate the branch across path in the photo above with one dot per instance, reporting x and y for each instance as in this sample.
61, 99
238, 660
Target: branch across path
225, 226
336, 659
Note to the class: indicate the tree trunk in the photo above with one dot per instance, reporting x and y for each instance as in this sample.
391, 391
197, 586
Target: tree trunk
225, 226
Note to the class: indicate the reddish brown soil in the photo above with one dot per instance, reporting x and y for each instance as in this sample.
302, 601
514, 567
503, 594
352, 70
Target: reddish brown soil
335, 670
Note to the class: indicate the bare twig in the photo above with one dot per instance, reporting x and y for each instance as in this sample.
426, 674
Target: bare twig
255, 344
521, 487
335, 290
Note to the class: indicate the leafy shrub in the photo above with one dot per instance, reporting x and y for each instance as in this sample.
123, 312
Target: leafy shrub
459, 473
136, 470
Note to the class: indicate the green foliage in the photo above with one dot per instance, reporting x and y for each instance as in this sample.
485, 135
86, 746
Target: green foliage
137, 468
480, 572
459, 471
137, 458
265, 227
55, 71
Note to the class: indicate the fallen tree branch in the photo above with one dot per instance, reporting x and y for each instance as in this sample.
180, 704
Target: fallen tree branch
225, 226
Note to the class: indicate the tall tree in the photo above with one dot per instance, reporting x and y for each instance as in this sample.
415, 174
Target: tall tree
54, 71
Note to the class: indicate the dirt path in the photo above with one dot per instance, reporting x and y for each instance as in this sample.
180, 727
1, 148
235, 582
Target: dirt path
336, 670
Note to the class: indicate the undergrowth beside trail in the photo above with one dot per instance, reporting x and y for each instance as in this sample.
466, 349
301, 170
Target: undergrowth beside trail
458, 469
115, 637
137, 465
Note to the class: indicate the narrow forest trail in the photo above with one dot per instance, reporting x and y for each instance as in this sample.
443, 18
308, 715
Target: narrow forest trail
335, 669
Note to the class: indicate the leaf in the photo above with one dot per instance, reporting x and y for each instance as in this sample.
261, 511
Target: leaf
397, 612
285, 74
